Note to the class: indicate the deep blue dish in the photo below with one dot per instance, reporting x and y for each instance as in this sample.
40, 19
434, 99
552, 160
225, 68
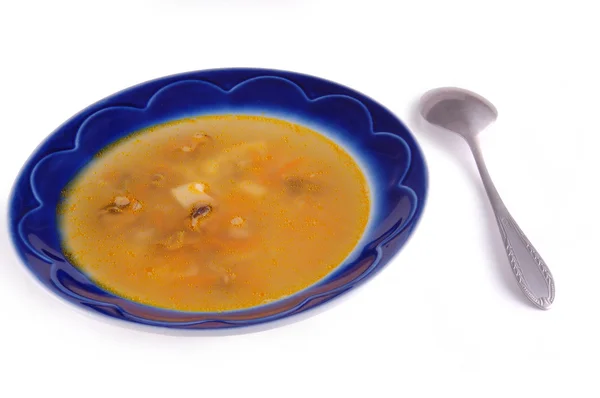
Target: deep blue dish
382, 145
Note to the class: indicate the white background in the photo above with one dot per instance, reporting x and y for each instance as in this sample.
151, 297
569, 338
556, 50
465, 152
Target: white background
445, 317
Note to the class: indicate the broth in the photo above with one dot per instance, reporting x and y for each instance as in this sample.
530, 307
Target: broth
214, 213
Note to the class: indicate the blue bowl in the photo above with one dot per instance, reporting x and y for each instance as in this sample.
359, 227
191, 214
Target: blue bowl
382, 145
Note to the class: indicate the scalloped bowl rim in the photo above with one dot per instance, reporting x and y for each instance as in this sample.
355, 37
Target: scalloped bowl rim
183, 78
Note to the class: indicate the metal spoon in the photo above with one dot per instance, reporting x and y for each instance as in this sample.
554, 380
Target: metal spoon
466, 114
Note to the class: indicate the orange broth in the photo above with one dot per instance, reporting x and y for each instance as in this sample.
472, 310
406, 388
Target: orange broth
214, 213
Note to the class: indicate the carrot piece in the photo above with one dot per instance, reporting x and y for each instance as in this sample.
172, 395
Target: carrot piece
289, 166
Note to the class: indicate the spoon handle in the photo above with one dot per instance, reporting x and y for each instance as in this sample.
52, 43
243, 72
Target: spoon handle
533, 276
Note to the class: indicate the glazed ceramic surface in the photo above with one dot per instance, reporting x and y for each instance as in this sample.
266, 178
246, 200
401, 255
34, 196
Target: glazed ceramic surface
384, 148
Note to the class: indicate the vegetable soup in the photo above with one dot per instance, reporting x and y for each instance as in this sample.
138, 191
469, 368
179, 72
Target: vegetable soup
214, 213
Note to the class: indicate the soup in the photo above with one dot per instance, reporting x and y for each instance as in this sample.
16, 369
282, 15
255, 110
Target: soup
214, 213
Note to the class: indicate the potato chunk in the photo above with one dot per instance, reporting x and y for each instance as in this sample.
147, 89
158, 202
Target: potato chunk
192, 193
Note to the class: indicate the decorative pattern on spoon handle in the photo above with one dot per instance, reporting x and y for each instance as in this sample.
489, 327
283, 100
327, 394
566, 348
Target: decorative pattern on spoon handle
509, 229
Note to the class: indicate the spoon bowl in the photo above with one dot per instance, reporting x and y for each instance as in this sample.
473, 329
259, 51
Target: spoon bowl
458, 110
